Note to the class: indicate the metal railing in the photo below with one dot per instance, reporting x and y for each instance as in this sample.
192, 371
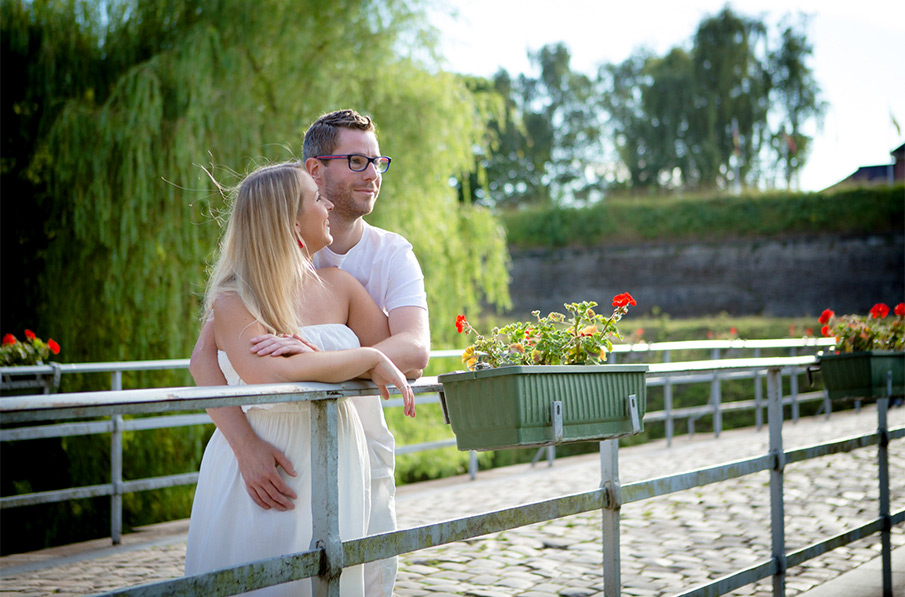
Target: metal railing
327, 555
116, 425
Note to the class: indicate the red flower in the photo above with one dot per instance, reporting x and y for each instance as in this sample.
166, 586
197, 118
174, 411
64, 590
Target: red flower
809, 332
624, 299
29, 335
900, 309
9, 339
879, 311
53, 346
460, 323
825, 316
825, 330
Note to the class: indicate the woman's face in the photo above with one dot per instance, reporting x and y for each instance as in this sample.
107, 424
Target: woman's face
312, 224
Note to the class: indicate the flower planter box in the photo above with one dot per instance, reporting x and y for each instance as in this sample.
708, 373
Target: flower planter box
543, 405
863, 374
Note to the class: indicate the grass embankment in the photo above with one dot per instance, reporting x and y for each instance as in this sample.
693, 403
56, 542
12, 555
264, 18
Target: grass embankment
876, 210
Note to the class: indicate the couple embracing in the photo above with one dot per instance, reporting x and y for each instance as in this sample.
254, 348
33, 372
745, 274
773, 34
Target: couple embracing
305, 290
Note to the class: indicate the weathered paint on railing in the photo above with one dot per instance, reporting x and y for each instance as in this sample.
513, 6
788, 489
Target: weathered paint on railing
331, 555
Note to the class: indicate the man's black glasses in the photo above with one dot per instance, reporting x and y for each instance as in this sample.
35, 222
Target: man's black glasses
359, 163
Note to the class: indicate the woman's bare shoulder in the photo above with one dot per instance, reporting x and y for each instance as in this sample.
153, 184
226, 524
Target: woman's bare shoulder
334, 275
230, 305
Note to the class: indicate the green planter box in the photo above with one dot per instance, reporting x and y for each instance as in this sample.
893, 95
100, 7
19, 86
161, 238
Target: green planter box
543, 405
858, 375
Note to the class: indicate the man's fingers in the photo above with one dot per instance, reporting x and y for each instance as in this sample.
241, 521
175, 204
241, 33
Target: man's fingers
278, 497
253, 493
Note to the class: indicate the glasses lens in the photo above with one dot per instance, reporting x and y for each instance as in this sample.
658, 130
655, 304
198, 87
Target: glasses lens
358, 162
382, 163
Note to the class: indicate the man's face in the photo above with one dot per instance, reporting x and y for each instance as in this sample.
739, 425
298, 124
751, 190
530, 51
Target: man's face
352, 193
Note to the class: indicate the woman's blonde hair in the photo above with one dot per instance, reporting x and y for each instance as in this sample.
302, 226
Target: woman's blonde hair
259, 257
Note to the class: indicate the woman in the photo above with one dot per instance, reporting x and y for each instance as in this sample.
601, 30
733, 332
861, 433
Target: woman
264, 286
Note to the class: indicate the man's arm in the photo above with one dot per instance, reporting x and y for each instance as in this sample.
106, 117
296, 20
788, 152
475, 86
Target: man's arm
258, 460
409, 343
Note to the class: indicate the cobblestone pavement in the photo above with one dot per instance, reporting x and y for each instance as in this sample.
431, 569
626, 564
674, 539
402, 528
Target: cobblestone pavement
668, 544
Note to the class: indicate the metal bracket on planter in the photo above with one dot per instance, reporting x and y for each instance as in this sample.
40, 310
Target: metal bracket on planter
557, 420
442, 396
633, 411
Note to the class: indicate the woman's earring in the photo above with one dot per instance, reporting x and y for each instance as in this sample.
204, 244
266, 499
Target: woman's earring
301, 246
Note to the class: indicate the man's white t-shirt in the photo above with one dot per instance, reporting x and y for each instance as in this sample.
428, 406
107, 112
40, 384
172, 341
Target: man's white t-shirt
386, 266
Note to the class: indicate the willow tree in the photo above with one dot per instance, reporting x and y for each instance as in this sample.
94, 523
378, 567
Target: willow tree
159, 88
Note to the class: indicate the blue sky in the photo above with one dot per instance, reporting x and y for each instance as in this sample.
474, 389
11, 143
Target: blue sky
859, 56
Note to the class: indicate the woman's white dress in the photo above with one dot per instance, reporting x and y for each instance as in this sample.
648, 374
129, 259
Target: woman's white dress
228, 528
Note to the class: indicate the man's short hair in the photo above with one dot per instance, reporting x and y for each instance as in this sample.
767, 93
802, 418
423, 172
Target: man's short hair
320, 138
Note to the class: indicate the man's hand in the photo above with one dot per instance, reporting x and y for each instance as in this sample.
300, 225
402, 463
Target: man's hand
258, 464
280, 346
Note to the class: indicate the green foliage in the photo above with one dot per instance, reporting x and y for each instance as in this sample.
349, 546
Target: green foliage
428, 426
874, 210
547, 133
120, 110
110, 111
582, 339
797, 99
718, 111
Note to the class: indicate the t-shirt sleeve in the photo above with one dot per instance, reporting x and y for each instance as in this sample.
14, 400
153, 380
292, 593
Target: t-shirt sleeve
406, 281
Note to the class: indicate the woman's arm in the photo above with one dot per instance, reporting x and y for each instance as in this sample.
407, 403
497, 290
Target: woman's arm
235, 326
372, 327
203, 365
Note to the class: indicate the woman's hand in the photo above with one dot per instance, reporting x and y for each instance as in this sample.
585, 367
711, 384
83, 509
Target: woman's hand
258, 463
386, 373
280, 346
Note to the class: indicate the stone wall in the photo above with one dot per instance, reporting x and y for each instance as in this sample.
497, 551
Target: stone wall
782, 278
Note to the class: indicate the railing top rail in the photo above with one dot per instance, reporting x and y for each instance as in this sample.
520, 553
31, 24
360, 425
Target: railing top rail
158, 400
113, 366
732, 364
726, 344
103, 367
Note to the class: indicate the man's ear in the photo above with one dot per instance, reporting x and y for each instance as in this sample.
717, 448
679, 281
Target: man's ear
314, 166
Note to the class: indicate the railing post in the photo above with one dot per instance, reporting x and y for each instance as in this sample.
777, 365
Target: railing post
793, 388
609, 480
472, 464
116, 479
667, 403
716, 398
777, 508
325, 497
883, 474
116, 466
758, 396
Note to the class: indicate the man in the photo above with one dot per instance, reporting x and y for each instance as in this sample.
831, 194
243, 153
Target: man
343, 157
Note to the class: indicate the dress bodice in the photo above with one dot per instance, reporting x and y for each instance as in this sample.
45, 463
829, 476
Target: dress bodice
326, 336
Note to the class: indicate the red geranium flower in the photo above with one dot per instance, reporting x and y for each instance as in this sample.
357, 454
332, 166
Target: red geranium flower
825, 316
900, 309
29, 335
53, 346
9, 339
624, 299
879, 311
825, 330
460, 323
